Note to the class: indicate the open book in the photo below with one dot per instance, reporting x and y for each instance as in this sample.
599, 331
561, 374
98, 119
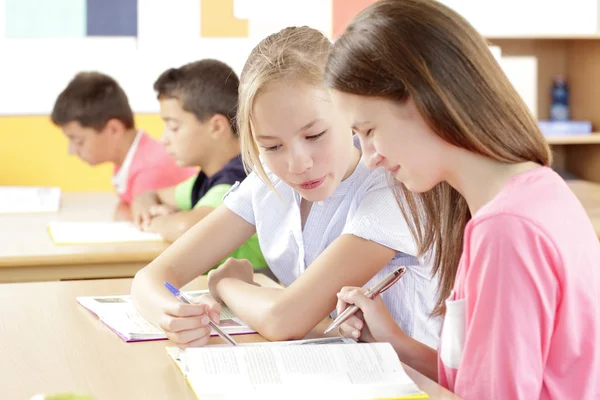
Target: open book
29, 199
119, 314
282, 370
63, 232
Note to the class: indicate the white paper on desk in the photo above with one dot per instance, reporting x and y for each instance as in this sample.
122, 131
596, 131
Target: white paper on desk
339, 371
119, 314
29, 199
63, 232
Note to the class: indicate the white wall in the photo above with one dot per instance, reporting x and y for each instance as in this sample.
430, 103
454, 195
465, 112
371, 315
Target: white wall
34, 71
530, 17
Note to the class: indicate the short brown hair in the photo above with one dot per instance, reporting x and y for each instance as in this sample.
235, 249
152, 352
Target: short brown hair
204, 88
423, 50
92, 99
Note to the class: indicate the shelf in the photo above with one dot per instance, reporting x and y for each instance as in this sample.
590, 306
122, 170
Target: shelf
569, 139
575, 36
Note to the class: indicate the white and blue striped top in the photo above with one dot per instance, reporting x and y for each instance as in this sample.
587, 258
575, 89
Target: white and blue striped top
363, 205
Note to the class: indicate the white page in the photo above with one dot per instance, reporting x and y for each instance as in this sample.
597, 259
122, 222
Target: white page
121, 316
342, 371
27, 199
98, 232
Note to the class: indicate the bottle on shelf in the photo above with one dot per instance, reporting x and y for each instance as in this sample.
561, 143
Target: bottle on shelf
559, 109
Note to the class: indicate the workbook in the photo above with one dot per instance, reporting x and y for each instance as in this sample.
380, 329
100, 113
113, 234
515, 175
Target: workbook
29, 199
119, 314
63, 232
296, 370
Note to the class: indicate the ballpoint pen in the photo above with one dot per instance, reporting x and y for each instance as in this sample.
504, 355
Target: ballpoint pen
376, 290
214, 326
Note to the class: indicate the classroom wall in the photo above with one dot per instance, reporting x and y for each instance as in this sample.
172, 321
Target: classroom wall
34, 152
44, 43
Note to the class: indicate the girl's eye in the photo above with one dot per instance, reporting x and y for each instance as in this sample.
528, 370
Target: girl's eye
315, 137
272, 148
368, 132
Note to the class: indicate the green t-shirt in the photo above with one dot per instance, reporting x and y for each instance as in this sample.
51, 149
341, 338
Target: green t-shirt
250, 250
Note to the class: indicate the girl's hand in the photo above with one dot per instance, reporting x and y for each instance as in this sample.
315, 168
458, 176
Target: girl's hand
232, 268
187, 324
372, 323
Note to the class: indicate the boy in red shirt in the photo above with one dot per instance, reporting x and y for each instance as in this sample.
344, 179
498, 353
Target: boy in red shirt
94, 113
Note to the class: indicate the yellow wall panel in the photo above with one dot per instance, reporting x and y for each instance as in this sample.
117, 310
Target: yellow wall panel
34, 152
218, 21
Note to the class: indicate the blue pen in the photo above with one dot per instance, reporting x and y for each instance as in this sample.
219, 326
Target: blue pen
184, 299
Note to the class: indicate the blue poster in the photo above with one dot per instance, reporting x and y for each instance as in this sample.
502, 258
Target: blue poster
112, 17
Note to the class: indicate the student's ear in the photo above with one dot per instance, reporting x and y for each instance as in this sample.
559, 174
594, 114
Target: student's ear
114, 127
219, 126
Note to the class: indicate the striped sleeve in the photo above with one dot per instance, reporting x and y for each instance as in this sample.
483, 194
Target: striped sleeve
239, 198
379, 219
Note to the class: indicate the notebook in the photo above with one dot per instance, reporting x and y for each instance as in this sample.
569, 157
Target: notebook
29, 199
63, 232
283, 370
119, 314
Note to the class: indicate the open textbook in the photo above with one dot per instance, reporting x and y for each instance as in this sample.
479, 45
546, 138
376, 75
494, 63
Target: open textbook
119, 314
29, 199
326, 369
63, 232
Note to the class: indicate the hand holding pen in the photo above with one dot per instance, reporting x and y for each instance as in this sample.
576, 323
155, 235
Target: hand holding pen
374, 311
183, 299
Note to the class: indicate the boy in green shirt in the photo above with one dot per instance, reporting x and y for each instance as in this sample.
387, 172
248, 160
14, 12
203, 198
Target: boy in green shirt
198, 103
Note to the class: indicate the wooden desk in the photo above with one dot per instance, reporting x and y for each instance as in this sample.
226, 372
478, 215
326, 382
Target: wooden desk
589, 195
50, 344
27, 253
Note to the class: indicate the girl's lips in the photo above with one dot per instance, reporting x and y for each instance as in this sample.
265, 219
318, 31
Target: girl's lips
312, 184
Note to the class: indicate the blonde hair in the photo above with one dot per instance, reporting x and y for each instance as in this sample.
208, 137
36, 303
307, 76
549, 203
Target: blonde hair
422, 50
294, 54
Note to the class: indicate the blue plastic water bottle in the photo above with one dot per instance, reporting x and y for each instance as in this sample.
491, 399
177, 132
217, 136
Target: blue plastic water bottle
559, 110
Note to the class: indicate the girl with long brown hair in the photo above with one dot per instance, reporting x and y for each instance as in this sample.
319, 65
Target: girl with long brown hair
517, 256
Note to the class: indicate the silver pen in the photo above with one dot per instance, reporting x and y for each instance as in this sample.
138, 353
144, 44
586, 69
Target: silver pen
376, 290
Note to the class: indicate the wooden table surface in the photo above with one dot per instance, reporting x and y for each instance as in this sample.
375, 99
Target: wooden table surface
50, 344
27, 252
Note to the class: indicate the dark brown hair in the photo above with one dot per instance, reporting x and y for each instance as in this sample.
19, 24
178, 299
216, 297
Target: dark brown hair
204, 88
92, 99
423, 50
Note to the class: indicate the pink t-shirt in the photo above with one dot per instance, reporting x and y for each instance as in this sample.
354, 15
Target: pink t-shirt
523, 321
147, 166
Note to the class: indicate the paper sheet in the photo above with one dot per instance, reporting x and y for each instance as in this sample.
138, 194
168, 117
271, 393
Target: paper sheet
63, 232
25, 199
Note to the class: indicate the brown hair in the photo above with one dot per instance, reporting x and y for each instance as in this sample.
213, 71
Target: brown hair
421, 49
204, 88
92, 99
294, 54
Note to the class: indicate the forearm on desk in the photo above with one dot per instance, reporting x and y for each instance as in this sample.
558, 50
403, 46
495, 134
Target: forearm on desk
261, 308
150, 296
172, 226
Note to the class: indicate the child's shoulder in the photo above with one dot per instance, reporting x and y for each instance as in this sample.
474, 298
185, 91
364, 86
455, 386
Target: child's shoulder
151, 152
